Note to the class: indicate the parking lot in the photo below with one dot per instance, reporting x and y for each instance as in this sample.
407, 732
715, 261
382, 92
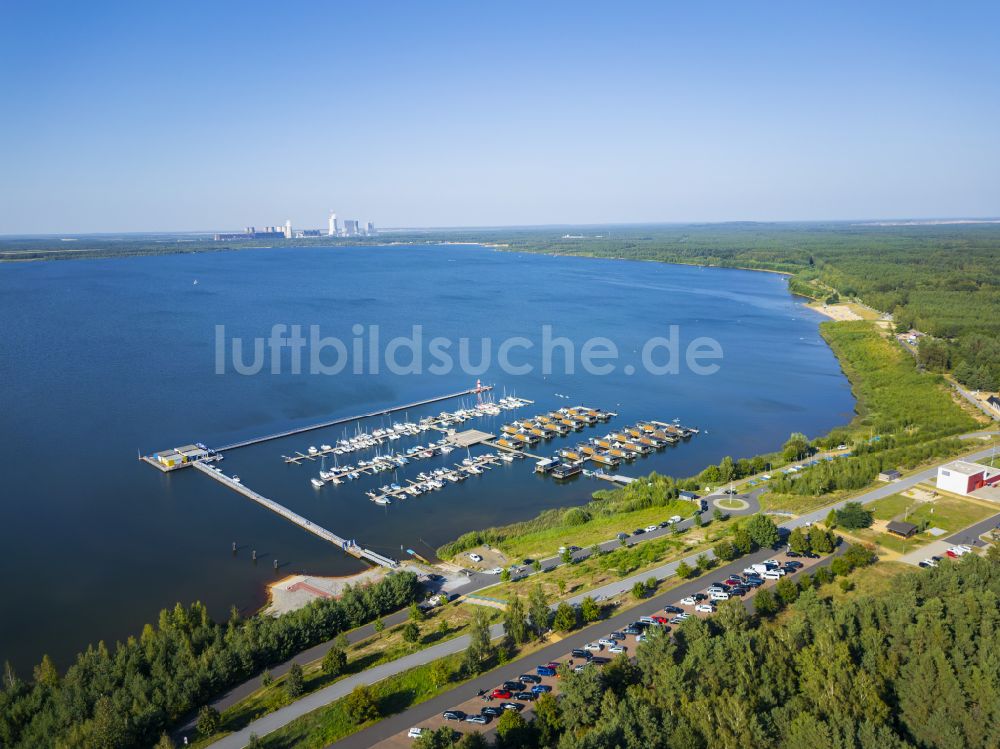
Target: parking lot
598, 643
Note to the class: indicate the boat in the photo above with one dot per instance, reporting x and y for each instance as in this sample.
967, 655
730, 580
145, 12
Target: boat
313, 451
506, 457
236, 479
316, 483
382, 501
325, 448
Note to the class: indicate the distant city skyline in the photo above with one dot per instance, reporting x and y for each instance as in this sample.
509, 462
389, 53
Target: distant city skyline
189, 117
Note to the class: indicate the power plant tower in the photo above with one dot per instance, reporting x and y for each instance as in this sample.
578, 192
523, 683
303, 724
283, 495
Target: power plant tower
332, 229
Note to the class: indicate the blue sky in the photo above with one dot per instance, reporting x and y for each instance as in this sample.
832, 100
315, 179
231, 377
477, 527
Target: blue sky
197, 116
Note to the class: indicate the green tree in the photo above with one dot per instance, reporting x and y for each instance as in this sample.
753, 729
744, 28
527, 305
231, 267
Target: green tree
46, 673
505, 575
538, 610
335, 661
361, 704
566, 556
512, 730
763, 531
639, 590
379, 626
208, 720
266, 679
696, 519
480, 649
765, 603
440, 738
798, 541
684, 570
589, 610
515, 621
440, 673
417, 614
548, 720
717, 515
703, 562
854, 516
165, 742
254, 742
796, 448
831, 519
786, 590
565, 619
742, 540
411, 632
821, 541
725, 551
108, 725
536, 565
294, 682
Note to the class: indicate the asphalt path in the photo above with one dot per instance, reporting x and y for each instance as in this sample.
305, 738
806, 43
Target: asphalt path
415, 715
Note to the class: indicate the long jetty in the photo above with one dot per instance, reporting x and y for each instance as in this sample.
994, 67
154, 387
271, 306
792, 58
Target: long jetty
346, 419
318, 530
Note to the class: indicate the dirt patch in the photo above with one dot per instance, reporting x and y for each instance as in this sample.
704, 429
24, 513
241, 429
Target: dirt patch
840, 312
492, 558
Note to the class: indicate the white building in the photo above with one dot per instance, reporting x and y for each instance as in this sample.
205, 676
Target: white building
332, 229
963, 477
288, 229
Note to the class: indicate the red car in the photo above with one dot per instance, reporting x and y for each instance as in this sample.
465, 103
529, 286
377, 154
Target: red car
501, 694
731, 582
660, 619
951, 554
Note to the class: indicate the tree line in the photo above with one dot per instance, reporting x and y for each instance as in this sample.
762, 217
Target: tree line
129, 695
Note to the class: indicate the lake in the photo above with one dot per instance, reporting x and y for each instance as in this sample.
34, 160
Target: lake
102, 359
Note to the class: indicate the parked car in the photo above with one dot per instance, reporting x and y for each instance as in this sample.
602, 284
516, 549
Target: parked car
545, 671
753, 582
689, 601
415, 733
492, 711
511, 686
622, 536
792, 554
616, 636
529, 679
772, 575
541, 688
479, 719
638, 532
495, 571
660, 619
525, 696
453, 715
606, 642
475, 558
500, 694
595, 647
581, 653
617, 649
719, 597
517, 706
705, 608
673, 609
675, 519
929, 562
794, 565
738, 590
632, 630
651, 528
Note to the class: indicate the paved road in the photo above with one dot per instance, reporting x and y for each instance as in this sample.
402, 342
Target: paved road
970, 536
271, 722
893, 487
414, 716
975, 401
279, 718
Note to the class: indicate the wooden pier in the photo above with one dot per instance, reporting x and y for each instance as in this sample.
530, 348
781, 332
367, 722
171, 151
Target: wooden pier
347, 419
342, 543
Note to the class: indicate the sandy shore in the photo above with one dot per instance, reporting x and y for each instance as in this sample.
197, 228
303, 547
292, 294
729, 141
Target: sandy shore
838, 312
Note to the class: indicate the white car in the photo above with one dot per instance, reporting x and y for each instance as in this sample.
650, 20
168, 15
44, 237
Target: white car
606, 642
749, 571
651, 528
772, 575
683, 616
930, 562
689, 601
475, 557
705, 608
775, 562
719, 596
495, 571
415, 733
595, 647
675, 519
617, 649
640, 638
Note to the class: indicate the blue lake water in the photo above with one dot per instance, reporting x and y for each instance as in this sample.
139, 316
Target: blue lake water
103, 358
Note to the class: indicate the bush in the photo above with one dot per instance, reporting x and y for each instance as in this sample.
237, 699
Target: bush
854, 516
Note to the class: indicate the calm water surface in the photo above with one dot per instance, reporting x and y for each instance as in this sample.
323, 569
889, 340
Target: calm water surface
101, 358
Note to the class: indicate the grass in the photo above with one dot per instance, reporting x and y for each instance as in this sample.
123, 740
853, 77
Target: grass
599, 529
444, 623
873, 580
333, 722
730, 504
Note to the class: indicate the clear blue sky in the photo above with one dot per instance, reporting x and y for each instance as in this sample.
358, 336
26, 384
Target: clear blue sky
187, 116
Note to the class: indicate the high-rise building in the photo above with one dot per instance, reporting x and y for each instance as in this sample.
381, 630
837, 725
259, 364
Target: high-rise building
288, 229
351, 227
370, 229
332, 229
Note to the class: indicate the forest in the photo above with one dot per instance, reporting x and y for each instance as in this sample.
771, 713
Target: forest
911, 668
129, 695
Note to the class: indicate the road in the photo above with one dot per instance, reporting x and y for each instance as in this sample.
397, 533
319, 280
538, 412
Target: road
302, 706
395, 724
975, 401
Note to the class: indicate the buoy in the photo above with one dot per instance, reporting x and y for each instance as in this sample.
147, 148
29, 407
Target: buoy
254, 555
